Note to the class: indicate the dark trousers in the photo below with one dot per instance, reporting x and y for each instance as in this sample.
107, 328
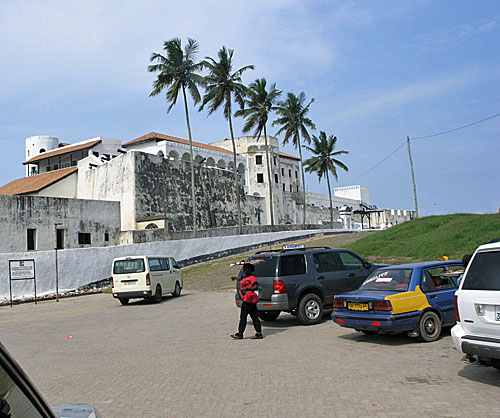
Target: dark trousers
248, 308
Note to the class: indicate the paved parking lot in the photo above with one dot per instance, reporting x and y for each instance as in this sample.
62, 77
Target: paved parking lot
176, 359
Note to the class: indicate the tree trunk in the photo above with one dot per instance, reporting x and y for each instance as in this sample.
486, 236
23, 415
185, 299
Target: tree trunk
193, 194
330, 194
236, 176
271, 204
303, 187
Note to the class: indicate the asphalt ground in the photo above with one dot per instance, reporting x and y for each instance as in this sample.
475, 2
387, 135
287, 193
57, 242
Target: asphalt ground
176, 359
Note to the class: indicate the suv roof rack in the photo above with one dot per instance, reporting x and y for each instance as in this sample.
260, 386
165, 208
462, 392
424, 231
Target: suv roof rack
293, 249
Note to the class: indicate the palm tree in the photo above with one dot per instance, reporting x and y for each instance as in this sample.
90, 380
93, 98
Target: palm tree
324, 162
221, 85
258, 107
294, 123
178, 71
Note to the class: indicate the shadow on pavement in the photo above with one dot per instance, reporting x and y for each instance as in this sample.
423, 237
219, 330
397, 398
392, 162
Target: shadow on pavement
482, 374
142, 302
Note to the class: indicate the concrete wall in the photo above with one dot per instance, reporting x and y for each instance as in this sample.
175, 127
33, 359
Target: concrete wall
19, 213
78, 267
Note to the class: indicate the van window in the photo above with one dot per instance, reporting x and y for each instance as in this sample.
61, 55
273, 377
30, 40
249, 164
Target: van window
174, 264
154, 264
135, 265
164, 264
291, 265
483, 272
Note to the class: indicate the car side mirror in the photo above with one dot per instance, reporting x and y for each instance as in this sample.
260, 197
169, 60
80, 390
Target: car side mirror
367, 264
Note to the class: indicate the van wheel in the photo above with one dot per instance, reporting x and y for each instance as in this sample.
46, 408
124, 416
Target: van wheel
310, 310
268, 315
157, 295
124, 301
429, 327
177, 291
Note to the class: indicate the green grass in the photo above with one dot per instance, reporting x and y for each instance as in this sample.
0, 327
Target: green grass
430, 238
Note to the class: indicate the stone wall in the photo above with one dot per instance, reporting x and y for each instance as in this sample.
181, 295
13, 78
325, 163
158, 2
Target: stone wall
20, 213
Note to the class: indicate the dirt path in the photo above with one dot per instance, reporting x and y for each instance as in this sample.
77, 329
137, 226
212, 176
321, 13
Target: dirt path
214, 275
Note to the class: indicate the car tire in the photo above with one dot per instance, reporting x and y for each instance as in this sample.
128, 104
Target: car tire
369, 332
157, 295
429, 327
124, 301
268, 315
310, 309
177, 290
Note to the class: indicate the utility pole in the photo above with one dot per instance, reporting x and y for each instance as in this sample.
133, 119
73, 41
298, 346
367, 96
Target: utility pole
412, 177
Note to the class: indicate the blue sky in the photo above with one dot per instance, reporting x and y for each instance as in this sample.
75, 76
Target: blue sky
378, 71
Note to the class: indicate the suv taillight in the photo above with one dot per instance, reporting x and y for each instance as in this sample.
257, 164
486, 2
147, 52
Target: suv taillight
148, 280
337, 303
457, 314
383, 305
279, 287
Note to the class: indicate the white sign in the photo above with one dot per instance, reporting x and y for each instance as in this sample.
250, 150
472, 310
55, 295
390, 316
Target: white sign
293, 246
22, 269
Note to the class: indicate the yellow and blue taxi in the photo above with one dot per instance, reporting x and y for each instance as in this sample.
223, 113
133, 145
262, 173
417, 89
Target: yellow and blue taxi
417, 298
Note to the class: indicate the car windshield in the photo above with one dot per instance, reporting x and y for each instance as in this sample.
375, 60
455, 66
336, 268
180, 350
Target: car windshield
265, 266
135, 265
484, 271
395, 280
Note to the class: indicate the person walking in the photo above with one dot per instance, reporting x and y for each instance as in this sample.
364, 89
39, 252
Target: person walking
248, 285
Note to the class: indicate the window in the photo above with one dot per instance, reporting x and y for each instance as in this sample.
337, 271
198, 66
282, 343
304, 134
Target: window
106, 237
324, 262
297, 189
95, 153
154, 264
289, 173
258, 159
295, 173
31, 239
83, 238
108, 157
291, 265
437, 279
395, 280
483, 272
260, 178
274, 159
291, 188
135, 265
350, 261
276, 179
164, 264
60, 239
283, 172
174, 264
41, 150
284, 186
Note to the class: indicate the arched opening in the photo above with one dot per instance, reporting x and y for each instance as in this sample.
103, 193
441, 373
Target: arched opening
221, 164
210, 162
160, 154
199, 159
151, 226
186, 157
230, 166
41, 150
241, 173
173, 155
256, 194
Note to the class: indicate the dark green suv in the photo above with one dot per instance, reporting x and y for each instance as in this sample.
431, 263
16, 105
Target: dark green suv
304, 281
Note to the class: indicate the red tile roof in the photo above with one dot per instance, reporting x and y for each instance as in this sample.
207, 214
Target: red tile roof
36, 183
61, 151
154, 136
293, 157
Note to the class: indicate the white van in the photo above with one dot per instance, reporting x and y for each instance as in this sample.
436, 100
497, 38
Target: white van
148, 277
477, 305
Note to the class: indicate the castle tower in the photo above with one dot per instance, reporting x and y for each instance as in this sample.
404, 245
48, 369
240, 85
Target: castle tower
36, 145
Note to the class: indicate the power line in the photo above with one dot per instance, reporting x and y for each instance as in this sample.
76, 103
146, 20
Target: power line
457, 129
380, 162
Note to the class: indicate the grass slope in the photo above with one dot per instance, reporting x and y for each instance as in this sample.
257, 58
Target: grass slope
429, 238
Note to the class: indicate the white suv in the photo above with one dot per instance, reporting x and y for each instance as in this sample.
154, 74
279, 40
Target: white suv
477, 306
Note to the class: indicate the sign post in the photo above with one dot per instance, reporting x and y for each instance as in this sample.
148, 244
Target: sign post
21, 270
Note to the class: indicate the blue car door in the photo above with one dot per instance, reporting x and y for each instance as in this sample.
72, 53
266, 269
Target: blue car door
440, 291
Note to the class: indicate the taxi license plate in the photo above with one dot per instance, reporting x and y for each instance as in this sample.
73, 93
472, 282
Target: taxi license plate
497, 313
358, 306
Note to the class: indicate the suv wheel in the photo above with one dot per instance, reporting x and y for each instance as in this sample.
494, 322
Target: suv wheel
310, 309
429, 327
268, 315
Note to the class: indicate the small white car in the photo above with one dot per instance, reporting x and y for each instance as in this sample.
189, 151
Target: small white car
477, 306
147, 277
